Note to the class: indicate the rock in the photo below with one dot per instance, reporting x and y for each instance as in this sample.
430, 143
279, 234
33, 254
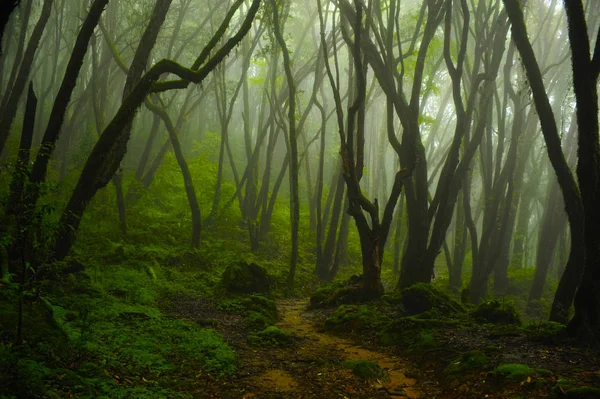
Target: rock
246, 278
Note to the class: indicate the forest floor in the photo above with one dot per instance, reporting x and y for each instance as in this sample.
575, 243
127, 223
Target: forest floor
313, 366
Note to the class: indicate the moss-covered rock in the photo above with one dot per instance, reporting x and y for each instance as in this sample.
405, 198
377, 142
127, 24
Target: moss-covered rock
365, 369
470, 360
349, 318
496, 312
246, 278
422, 297
271, 336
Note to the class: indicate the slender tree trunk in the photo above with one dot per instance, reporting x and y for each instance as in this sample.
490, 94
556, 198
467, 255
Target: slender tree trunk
293, 149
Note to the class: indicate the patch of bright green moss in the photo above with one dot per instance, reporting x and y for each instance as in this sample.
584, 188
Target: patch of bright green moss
365, 369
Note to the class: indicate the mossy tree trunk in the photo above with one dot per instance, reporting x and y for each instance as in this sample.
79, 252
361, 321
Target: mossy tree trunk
586, 70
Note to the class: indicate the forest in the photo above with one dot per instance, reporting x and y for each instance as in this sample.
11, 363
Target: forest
299, 199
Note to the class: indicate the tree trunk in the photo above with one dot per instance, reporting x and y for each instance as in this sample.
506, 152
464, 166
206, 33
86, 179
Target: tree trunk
586, 321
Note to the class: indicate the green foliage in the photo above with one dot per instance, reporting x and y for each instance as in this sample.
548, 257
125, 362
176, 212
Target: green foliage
470, 360
271, 336
496, 312
365, 369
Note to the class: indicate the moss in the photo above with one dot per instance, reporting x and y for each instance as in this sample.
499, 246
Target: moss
514, 371
518, 372
271, 336
246, 278
423, 297
365, 369
467, 361
422, 342
257, 321
349, 318
496, 312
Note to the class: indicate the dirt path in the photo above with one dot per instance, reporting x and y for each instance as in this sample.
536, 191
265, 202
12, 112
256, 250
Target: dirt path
311, 368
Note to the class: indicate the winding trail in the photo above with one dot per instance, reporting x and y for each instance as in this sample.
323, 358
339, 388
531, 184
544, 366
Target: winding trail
313, 345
